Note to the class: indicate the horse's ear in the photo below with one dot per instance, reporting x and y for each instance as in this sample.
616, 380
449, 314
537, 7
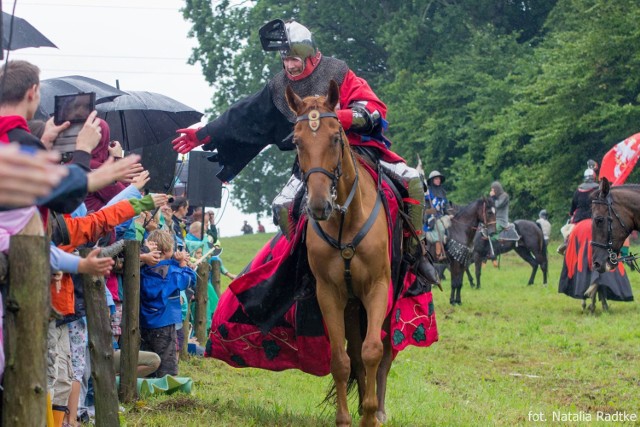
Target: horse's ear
605, 185
294, 101
333, 97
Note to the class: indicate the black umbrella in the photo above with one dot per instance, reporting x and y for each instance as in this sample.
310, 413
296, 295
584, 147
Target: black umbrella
23, 34
69, 85
140, 119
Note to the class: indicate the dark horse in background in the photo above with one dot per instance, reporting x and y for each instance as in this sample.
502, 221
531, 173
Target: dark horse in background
531, 248
459, 246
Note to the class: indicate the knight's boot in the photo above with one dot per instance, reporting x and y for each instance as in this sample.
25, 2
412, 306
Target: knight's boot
422, 265
401, 174
562, 248
284, 204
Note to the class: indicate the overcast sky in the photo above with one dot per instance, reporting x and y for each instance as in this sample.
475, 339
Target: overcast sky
142, 44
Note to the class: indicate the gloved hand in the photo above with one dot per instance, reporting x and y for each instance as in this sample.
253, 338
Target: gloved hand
188, 141
145, 203
345, 116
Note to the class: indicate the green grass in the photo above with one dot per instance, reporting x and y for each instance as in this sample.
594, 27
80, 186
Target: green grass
508, 350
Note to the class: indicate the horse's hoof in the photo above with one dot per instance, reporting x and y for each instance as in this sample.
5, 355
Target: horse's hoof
381, 416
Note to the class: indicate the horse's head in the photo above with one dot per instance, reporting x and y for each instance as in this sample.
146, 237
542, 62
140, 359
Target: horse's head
487, 214
608, 228
319, 140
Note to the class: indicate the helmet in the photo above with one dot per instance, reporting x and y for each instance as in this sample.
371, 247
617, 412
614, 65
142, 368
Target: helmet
543, 214
435, 174
290, 39
589, 175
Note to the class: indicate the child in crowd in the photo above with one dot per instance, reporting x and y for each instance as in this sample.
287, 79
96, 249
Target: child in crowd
160, 288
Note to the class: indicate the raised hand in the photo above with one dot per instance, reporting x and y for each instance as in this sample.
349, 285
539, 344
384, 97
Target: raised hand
110, 171
159, 199
141, 180
90, 134
51, 132
188, 140
26, 176
95, 266
151, 258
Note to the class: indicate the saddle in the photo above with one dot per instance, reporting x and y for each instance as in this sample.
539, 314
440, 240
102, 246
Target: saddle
509, 233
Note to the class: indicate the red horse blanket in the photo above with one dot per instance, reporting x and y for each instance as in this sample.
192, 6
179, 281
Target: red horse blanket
269, 317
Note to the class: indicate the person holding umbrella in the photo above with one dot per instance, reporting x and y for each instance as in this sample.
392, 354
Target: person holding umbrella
265, 118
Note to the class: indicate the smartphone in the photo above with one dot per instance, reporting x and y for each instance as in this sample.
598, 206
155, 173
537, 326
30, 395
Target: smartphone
73, 108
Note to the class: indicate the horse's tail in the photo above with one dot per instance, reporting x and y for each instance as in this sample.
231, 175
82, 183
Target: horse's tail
330, 399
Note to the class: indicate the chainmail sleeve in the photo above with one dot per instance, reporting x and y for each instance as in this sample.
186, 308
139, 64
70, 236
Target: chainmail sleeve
241, 132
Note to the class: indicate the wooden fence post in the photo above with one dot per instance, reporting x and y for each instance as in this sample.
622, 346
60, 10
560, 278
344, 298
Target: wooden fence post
215, 276
25, 325
184, 350
101, 348
130, 338
202, 297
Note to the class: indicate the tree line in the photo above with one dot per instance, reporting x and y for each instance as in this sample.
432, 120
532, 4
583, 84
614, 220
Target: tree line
520, 91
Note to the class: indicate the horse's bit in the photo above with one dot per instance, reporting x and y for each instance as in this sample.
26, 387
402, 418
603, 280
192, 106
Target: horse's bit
613, 256
347, 250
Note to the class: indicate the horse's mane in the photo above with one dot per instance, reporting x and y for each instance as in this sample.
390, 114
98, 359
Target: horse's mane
462, 210
631, 187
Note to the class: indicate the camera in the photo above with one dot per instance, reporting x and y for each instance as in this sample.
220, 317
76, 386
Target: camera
180, 247
170, 199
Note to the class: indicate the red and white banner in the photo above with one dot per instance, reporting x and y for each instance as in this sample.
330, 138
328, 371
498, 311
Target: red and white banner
618, 163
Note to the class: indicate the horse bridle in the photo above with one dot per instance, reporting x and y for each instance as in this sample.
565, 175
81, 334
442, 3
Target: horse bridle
347, 250
613, 256
484, 217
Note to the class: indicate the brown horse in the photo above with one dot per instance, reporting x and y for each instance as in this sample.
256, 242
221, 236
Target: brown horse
348, 251
615, 213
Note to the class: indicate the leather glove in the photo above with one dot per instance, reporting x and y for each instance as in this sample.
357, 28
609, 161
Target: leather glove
188, 140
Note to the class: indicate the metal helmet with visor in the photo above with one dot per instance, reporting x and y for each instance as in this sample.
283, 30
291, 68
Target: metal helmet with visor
291, 39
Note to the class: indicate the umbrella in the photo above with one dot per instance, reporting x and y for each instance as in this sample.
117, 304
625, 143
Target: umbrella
69, 85
24, 34
140, 119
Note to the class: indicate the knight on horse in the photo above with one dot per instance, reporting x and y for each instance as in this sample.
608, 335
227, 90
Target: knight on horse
265, 118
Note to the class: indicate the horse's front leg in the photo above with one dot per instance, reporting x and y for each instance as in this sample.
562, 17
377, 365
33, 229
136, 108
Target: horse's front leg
603, 298
478, 265
383, 372
375, 303
353, 316
332, 305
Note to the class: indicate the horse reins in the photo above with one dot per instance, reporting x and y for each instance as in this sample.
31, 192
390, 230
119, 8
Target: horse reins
613, 256
347, 250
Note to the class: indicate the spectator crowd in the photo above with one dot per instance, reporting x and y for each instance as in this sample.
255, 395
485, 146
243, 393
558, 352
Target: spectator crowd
93, 200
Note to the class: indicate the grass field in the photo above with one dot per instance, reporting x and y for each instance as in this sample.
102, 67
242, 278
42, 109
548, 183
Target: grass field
510, 355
